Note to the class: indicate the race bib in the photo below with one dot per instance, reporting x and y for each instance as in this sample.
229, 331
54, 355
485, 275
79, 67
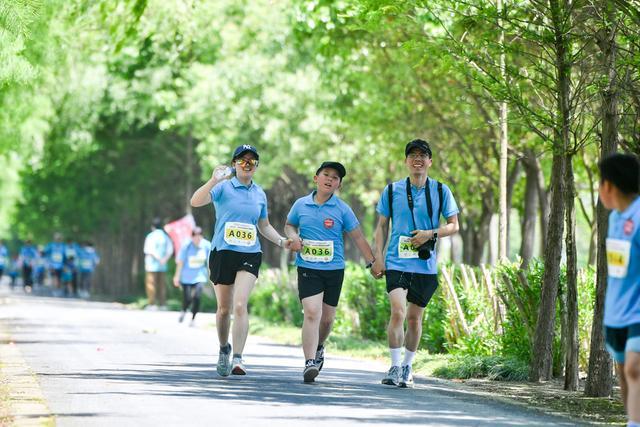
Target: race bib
56, 257
317, 250
198, 260
618, 254
86, 263
240, 234
406, 249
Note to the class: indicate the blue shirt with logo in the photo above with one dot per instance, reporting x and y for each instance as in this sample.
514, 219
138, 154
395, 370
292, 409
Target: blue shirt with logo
402, 224
194, 262
622, 301
88, 259
238, 210
157, 245
54, 252
322, 223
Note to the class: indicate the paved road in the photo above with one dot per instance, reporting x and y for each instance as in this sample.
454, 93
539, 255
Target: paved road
101, 365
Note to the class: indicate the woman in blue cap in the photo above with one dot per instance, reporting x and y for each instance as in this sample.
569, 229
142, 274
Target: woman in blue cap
236, 255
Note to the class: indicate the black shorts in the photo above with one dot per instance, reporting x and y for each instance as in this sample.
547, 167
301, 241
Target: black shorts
223, 265
57, 273
621, 340
420, 287
312, 282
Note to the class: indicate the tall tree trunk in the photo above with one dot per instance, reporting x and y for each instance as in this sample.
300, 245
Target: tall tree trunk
571, 344
543, 200
502, 222
599, 378
514, 177
530, 213
541, 363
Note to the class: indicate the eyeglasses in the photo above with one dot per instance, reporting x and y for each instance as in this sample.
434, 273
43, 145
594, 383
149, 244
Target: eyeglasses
249, 162
421, 156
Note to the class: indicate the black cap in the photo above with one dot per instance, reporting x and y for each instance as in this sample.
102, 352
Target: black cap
333, 165
241, 149
157, 223
420, 144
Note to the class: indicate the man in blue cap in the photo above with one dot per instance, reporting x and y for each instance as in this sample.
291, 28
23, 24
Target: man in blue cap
414, 206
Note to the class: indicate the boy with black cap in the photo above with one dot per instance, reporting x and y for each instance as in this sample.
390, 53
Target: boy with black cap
414, 206
315, 225
619, 190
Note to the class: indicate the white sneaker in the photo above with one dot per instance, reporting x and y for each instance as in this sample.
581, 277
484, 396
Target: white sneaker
237, 366
224, 362
192, 323
181, 318
406, 379
392, 377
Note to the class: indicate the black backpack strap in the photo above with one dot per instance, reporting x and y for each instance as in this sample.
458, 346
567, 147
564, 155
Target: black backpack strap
441, 198
427, 196
390, 193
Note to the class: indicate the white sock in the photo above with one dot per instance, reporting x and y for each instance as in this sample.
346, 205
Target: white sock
408, 357
396, 355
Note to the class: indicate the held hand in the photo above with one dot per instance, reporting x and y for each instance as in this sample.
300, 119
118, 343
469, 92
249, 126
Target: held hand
377, 269
176, 281
419, 237
294, 244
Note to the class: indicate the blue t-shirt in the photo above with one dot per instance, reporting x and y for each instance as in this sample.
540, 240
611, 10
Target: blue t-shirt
71, 250
28, 255
321, 228
194, 262
88, 259
4, 256
622, 302
156, 243
55, 254
397, 257
238, 210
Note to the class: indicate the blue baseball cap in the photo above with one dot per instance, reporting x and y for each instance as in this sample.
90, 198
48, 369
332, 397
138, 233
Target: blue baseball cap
245, 148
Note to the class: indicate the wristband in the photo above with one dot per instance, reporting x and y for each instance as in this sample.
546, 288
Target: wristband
370, 264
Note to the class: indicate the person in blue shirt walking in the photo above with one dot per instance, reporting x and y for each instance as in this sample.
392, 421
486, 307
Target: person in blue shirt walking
71, 255
157, 252
192, 273
4, 258
88, 260
414, 209
619, 191
28, 257
54, 252
316, 225
241, 211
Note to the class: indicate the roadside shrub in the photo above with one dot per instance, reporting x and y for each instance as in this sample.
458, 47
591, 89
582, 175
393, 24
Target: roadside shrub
498, 368
275, 298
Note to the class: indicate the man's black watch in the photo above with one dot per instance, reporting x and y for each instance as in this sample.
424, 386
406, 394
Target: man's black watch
370, 264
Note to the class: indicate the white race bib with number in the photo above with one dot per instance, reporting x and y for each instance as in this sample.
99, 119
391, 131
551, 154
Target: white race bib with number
317, 250
86, 263
240, 234
198, 260
406, 249
618, 254
56, 257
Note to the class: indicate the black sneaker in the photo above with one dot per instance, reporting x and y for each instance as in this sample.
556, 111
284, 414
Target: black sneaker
320, 357
311, 371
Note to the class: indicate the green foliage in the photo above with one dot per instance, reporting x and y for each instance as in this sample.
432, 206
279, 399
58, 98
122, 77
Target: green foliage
498, 368
276, 299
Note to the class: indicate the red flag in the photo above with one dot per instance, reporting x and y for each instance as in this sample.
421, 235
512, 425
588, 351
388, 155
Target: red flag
179, 231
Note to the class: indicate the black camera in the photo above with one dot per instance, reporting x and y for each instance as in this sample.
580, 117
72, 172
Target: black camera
424, 250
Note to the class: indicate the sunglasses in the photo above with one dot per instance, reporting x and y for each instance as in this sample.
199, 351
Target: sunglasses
245, 162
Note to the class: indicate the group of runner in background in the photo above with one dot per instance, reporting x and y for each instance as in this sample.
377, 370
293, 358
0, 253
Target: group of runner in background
63, 267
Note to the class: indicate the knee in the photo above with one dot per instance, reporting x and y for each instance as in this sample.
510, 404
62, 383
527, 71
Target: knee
240, 309
312, 315
414, 322
397, 314
632, 372
223, 311
327, 322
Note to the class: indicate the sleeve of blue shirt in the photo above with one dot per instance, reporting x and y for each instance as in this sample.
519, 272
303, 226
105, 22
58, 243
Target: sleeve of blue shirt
293, 217
449, 205
216, 191
383, 203
182, 255
349, 218
264, 213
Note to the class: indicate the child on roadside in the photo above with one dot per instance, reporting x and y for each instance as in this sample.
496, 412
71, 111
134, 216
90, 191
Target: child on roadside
619, 190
